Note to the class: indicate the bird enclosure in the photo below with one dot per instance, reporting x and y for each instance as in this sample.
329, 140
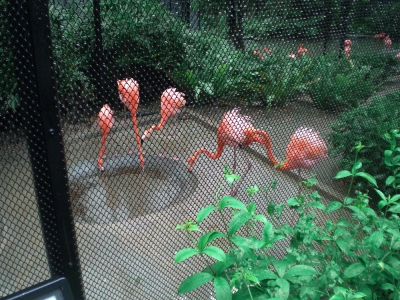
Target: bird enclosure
122, 119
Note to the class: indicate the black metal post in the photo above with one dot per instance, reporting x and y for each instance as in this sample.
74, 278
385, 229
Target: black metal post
98, 60
30, 28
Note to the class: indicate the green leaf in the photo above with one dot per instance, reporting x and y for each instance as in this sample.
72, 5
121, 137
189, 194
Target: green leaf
261, 218
300, 270
383, 197
354, 270
215, 252
208, 237
229, 201
333, 206
283, 291
251, 208
344, 223
222, 289
388, 286
356, 166
252, 190
237, 221
359, 295
348, 200
262, 274
367, 177
390, 180
343, 174
376, 239
271, 208
230, 178
316, 205
388, 153
293, 202
185, 254
280, 266
356, 210
395, 209
382, 204
394, 198
345, 248
250, 242
193, 282
204, 213
268, 232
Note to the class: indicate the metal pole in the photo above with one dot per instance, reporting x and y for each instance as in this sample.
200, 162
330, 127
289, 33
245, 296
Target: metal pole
98, 60
30, 29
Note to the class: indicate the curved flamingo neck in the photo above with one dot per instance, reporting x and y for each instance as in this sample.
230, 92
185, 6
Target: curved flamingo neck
260, 136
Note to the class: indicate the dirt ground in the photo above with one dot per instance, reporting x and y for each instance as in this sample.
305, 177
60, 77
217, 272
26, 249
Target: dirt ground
125, 218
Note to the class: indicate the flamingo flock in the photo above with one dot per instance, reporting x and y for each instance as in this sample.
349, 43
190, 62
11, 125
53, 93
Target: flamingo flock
128, 89
305, 149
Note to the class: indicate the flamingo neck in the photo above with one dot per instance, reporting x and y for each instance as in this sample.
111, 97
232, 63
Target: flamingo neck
260, 136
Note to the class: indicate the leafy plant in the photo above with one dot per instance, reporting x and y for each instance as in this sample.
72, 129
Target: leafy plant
368, 124
351, 258
340, 84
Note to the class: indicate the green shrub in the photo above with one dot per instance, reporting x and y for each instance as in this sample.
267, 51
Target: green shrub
355, 258
72, 40
366, 124
339, 84
215, 69
141, 32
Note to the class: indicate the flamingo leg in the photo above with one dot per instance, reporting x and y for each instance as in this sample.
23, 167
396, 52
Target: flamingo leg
138, 140
102, 149
234, 161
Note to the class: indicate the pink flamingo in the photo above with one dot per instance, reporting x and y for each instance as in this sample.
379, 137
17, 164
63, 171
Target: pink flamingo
397, 55
128, 90
106, 122
388, 42
380, 35
347, 48
306, 148
171, 103
302, 50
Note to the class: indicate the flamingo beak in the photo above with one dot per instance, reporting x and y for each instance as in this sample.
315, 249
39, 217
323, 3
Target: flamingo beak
141, 141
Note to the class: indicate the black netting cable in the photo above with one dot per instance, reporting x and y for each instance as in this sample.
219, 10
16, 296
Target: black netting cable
29, 25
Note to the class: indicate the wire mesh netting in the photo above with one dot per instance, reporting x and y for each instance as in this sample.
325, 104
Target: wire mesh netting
155, 99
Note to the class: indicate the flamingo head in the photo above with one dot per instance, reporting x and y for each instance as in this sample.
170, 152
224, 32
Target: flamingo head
191, 162
174, 98
347, 42
128, 90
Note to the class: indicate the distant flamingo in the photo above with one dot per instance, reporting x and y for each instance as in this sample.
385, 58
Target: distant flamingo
302, 50
380, 35
347, 48
397, 55
258, 53
171, 103
388, 42
128, 90
106, 122
267, 50
291, 55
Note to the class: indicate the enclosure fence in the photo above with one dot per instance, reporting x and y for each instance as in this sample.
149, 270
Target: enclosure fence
120, 119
